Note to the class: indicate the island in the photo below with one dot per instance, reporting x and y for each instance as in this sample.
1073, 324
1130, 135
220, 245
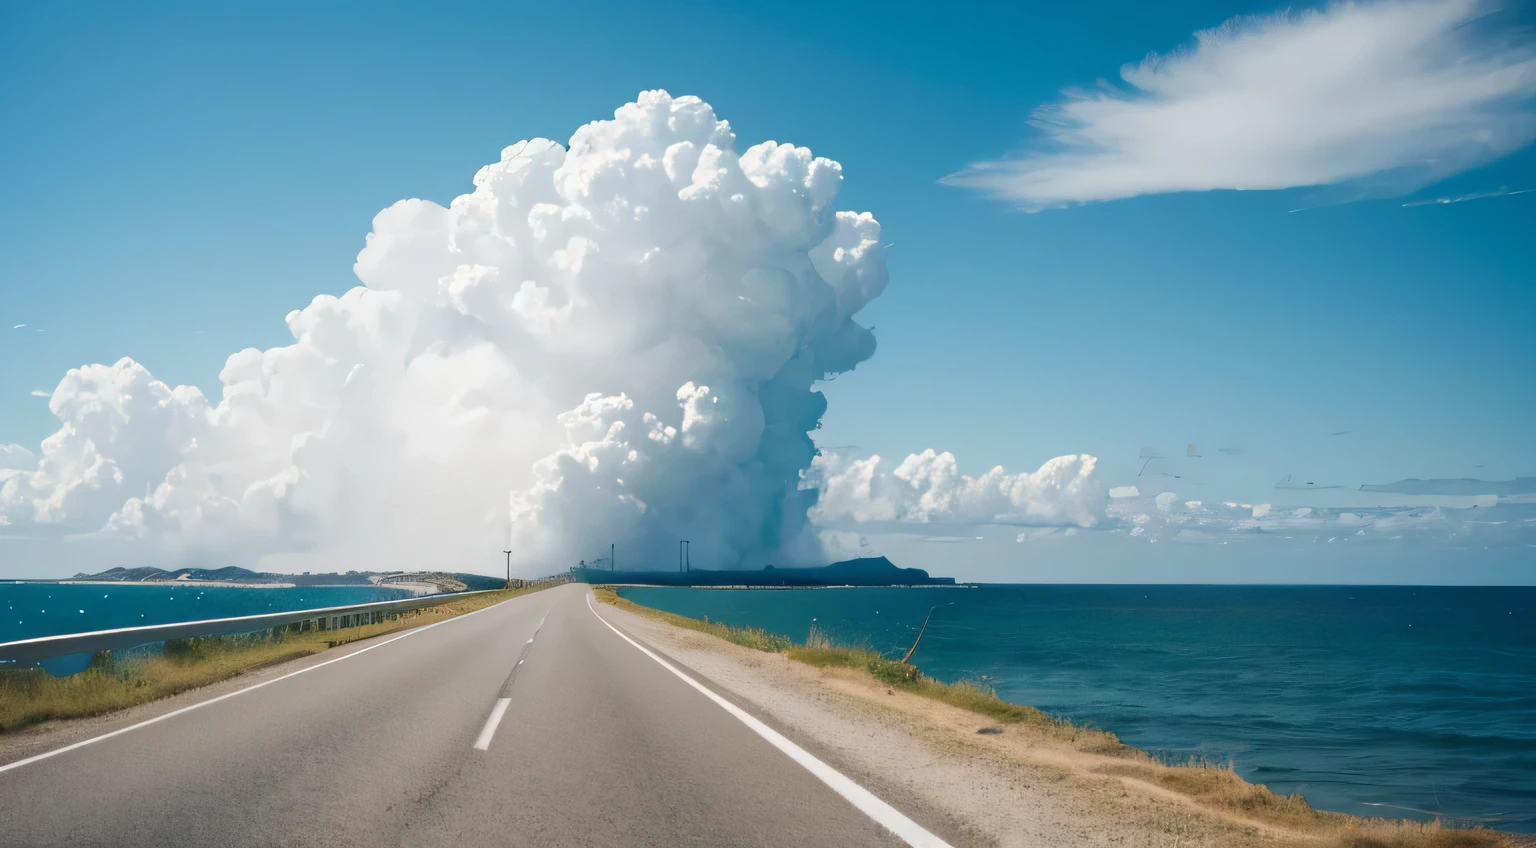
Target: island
865, 571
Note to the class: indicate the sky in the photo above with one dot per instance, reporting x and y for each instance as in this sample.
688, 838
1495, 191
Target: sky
1071, 271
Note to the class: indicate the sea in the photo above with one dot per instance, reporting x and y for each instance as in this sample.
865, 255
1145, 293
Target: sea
1399, 701
29, 610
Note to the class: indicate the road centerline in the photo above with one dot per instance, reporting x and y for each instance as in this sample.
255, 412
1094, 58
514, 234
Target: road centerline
483, 743
504, 697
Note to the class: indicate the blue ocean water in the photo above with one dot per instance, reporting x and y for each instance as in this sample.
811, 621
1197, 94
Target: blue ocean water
1411, 702
29, 610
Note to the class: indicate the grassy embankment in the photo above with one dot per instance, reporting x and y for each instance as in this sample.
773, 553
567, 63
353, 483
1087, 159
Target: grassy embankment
1208, 785
112, 683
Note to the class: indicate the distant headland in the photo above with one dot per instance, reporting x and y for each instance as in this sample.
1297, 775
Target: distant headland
867, 571
417, 581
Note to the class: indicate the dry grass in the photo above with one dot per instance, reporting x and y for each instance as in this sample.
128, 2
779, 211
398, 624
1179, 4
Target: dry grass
965, 694
819, 650
1217, 788
1220, 788
113, 683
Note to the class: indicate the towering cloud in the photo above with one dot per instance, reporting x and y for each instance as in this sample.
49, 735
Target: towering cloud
615, 341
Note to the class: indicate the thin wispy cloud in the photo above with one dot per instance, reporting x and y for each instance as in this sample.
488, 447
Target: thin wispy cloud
1476, 195
16, 458
41, 393
19, 327
1401, 93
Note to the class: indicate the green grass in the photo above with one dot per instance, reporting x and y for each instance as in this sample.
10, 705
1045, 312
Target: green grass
115, 682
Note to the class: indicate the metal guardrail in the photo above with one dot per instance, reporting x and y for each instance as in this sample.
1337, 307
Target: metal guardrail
324, 618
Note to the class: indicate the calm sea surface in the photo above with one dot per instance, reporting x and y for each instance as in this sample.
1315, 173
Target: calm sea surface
1409, 702
48, 609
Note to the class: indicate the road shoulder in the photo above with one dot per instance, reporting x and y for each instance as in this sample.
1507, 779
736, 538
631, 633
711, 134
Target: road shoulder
1004, 789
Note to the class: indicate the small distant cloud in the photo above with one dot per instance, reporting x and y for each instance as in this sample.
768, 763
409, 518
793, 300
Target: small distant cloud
1463, 486
1036, 533
19, 327
41, 393
1476, 195
1287, 483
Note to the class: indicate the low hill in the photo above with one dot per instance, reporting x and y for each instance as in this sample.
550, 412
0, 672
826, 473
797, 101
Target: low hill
448, 581
866, 571
228, 574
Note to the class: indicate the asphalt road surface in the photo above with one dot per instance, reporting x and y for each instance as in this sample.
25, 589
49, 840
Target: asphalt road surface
597, 743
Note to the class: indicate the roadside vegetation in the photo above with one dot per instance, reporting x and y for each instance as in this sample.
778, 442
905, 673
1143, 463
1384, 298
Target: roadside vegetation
1211, 786
747, 637
819, 650
116, 680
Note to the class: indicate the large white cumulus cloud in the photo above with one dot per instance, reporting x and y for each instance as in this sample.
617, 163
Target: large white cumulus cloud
611, 342
928, 488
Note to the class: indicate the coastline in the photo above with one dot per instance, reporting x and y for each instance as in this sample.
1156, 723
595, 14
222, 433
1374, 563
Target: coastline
1024, 781
230, 584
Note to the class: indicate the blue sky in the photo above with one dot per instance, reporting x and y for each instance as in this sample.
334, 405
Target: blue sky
181, 176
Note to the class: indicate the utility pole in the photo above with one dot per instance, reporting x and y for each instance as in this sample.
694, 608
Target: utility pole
612, 566
687, 555
509, 568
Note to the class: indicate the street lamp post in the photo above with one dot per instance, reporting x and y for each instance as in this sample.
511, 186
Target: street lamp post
509, 568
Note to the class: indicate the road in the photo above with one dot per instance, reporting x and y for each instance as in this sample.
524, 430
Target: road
598, 743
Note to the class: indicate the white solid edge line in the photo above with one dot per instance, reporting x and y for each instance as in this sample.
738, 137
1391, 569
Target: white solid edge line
484, 742
81, 744
887, 816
